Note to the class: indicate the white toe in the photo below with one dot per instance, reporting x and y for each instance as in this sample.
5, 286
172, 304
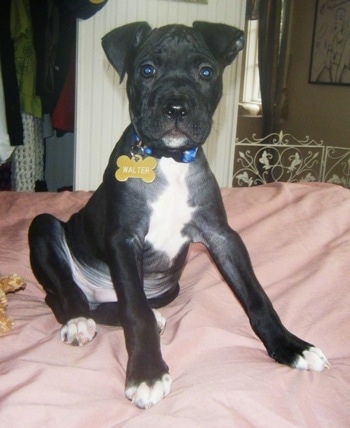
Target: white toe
312, 359
145, 396
78, 331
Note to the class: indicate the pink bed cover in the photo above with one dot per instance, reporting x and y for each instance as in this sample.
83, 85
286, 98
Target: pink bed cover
298, 236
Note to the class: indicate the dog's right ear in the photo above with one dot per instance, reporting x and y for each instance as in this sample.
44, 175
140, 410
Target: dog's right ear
119, 44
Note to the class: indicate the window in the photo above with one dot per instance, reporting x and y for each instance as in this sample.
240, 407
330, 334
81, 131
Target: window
251, 82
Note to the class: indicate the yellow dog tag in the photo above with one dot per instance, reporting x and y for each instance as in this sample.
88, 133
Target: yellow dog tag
136, 167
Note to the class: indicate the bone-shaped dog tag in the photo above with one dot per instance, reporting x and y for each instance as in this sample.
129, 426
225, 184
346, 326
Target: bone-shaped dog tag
136, 167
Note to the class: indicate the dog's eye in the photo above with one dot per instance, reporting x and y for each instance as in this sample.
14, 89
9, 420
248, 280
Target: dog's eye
148, 70
206, 73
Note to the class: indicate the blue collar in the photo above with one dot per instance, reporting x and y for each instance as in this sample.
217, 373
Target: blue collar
186, 156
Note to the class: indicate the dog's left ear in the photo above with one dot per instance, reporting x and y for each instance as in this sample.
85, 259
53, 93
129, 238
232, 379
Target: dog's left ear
120, 44
223, 40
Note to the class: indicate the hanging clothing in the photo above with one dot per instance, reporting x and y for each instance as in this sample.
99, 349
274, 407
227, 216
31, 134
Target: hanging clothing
54, 31
25, 60
64, 112
5, 147
37, 39
11, 96
28, 160
83, 9
54, 39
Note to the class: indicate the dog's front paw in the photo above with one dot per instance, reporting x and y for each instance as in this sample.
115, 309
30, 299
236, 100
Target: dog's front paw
298, 354
78, 331
312, 359
144, 395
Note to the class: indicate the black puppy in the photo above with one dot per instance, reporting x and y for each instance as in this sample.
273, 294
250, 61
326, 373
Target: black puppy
123, 253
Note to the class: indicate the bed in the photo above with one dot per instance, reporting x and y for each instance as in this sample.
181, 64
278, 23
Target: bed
298, 236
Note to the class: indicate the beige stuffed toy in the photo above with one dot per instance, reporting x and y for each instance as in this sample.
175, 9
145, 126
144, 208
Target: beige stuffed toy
8, 284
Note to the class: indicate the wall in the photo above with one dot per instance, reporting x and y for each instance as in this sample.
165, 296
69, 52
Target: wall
319, 111
247, 126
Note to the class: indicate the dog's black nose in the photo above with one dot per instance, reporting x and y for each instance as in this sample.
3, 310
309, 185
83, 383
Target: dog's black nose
176, 110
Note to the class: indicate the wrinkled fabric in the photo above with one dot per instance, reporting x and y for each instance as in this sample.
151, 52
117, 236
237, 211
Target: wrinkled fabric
298, 236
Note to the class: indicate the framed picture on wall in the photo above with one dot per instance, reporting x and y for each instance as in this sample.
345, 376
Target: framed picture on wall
330, 55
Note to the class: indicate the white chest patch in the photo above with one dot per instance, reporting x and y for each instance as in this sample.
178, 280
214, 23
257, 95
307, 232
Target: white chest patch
171, 211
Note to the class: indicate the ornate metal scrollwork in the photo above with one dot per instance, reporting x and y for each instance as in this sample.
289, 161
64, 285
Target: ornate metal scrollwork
282, 157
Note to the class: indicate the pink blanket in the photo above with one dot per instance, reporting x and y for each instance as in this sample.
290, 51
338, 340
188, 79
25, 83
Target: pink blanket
298, 236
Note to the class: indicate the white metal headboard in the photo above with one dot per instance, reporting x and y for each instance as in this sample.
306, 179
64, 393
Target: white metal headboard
282, 157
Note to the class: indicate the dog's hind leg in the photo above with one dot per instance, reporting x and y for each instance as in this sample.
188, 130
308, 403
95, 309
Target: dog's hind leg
49, 261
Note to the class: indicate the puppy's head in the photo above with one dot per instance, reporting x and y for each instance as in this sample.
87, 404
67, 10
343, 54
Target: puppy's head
174, 77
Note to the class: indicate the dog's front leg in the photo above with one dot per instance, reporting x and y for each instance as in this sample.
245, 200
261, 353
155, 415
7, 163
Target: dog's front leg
147, 376
232, 259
